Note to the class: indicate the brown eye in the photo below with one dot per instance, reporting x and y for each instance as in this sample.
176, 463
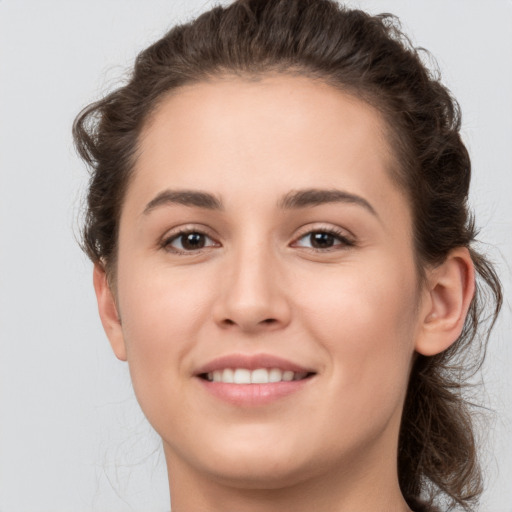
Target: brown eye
323, 240
189, 241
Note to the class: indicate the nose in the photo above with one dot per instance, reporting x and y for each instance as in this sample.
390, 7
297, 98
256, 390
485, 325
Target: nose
252, 294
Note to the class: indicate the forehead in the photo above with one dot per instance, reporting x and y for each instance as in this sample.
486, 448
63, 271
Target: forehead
270, 134
293, 107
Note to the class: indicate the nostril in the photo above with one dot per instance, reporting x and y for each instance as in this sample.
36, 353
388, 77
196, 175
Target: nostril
268, 321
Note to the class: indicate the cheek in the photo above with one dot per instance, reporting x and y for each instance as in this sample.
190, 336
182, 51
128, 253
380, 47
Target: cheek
161, 316
366, 322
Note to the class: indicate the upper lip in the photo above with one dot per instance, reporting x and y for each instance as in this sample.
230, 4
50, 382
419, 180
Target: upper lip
251, 362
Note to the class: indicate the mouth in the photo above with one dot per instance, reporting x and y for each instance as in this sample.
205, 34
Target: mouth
257, 376
248, 380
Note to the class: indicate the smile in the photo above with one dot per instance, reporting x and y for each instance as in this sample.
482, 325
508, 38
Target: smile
257, 376
248, 380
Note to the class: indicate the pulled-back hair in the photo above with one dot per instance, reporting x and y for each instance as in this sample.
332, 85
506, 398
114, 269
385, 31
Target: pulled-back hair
369, 57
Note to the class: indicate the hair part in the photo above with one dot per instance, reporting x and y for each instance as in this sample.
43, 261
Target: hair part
370, 58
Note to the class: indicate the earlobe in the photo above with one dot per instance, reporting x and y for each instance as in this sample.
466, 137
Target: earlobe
108, 312
451, 287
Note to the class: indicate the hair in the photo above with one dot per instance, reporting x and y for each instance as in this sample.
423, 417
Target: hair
370, 58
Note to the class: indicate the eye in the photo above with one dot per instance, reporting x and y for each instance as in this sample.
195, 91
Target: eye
322, 239
188, 241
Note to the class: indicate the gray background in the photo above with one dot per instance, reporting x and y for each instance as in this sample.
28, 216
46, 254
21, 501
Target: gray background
71, 435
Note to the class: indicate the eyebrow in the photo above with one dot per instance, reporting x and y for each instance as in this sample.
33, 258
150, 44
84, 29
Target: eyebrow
293, 200
316, 197
185, 197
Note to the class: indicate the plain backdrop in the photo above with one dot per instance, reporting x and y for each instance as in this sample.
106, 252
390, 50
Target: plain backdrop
72, 438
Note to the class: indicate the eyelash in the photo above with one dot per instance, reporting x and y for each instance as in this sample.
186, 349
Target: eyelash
166, 243
337, 234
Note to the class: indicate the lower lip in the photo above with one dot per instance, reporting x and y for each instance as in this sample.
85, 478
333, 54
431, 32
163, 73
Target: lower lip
251, 395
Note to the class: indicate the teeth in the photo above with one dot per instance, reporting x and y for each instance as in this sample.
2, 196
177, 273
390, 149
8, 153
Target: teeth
287, 376
258, 376
228, 375
242, 376
275, 375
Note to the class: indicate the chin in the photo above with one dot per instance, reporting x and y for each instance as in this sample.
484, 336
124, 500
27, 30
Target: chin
261, 462
261, 473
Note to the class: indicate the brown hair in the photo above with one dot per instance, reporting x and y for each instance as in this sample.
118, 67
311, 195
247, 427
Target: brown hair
370, 57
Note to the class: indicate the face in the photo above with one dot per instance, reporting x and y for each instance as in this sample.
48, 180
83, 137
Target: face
262, 239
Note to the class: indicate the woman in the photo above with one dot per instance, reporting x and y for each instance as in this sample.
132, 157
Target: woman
283, 254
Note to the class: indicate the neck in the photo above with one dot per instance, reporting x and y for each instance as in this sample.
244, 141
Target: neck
308, 496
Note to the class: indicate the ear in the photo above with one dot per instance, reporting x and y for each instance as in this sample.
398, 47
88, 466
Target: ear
450, 289
108, 312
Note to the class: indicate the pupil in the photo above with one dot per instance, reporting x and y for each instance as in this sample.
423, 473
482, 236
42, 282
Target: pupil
193, 241
322, 240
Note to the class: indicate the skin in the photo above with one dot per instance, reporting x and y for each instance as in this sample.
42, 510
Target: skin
355, 312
